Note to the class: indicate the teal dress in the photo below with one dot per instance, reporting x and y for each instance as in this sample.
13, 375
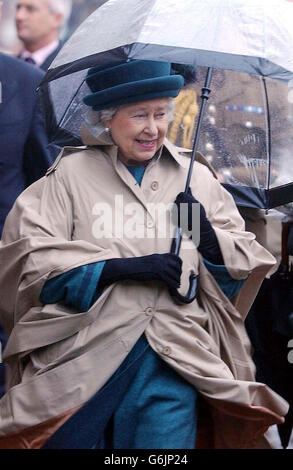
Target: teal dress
159, 408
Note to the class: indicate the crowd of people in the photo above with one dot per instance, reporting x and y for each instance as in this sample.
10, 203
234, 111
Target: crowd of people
62, 284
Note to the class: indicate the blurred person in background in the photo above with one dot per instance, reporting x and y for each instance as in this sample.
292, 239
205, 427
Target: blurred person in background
9, 41
24, 157
38, 24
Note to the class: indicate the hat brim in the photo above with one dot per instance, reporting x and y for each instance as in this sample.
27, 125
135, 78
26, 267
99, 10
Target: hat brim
134, 92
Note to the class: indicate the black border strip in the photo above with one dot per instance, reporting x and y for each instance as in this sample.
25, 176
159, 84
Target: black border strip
248, 196
261, 198
280, 195
137, 50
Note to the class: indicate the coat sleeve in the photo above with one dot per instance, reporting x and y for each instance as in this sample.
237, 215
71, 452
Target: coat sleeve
228, 285
37, 245
78, 287
241, 253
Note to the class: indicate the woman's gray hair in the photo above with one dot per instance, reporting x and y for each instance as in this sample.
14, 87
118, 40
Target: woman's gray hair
96, 119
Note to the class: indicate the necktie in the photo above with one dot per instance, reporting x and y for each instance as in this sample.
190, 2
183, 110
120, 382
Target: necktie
30, 60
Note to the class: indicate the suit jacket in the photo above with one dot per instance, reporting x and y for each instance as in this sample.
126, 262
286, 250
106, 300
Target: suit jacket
46, 64
24, 157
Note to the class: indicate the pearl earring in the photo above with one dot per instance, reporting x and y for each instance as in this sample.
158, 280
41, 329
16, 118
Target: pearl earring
107, 129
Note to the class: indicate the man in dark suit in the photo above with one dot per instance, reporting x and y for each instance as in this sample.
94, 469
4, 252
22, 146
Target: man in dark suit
38, 24
24, 157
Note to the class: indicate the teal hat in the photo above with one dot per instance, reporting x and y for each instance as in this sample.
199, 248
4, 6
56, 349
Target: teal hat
131, 82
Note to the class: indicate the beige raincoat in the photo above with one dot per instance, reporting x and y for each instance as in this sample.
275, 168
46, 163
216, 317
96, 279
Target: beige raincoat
58, 358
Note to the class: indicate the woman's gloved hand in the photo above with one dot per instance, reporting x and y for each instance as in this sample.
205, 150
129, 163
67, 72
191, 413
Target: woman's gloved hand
209, 246
158, 267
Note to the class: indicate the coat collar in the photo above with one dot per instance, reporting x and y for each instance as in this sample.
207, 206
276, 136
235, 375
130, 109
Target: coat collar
104, 139
179, 154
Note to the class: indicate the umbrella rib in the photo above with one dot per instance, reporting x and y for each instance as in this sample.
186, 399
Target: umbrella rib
268, 133
65, 112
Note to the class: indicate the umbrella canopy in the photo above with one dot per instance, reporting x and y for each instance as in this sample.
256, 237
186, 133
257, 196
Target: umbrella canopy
251, 36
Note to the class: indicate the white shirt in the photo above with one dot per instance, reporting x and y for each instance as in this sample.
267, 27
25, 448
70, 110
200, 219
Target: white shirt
40, 55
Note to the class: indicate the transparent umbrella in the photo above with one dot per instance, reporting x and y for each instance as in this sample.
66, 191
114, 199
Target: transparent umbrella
251, 36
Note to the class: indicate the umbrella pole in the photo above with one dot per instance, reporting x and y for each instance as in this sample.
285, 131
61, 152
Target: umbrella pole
175, 248
204, 98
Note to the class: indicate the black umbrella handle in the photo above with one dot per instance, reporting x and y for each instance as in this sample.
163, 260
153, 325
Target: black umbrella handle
175, 248
191, 294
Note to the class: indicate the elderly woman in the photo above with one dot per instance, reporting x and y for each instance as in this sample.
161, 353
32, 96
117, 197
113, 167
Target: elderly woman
99, 354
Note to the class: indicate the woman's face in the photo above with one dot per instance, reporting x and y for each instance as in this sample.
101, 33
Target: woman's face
139, 130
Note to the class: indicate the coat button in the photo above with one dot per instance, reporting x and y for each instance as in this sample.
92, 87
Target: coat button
149, 311
155, 186
167, 350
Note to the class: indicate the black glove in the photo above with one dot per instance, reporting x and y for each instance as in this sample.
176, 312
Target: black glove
209, 246
166, 267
